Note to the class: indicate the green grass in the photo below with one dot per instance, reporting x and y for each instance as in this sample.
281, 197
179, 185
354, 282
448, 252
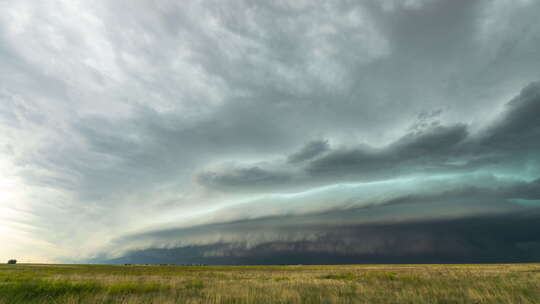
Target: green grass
340, 276
470, 284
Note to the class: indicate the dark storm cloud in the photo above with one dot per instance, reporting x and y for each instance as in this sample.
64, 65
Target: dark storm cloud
509, 237
428, 148
530, 191
518, 130
435, 223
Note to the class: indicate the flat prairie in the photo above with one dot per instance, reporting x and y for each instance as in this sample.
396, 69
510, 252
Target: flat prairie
480, 283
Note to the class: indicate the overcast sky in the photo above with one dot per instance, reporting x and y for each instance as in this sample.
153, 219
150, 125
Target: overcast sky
236, 127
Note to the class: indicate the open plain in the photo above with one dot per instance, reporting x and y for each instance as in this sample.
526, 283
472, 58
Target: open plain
483, 283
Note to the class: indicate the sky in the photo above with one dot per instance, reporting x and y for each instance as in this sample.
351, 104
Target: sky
281, 132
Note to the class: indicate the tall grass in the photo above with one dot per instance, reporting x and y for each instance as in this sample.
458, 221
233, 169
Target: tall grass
511, 283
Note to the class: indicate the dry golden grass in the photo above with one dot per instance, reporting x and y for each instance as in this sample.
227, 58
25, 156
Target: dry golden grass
503, 283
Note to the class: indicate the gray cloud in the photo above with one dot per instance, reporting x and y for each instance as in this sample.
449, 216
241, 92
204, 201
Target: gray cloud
518, 127
489, 238
126, 116
441, 201
509, 142
309, 151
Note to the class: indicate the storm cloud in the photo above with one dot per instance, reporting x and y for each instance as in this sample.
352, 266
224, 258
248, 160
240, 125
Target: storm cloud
512, 237
134, 128
510, 142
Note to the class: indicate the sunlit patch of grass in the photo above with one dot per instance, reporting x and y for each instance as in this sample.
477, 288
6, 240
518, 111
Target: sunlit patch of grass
340, 276
133, 287
7, 277
376, 275
194, 285
281, 279
23, 291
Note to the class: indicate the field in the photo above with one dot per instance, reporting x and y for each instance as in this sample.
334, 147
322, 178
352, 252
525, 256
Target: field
503, 283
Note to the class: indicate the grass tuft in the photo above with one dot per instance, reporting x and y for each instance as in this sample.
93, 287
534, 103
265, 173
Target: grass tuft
194, 284
133, 287
340, 276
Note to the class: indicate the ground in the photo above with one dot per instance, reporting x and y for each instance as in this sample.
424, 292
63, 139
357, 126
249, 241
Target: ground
501, 283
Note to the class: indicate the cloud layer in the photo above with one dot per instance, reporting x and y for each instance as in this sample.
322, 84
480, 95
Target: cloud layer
483, 239
509, 143
124, 121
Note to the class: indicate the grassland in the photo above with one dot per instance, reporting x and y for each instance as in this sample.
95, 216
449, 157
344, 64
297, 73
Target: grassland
509, 283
